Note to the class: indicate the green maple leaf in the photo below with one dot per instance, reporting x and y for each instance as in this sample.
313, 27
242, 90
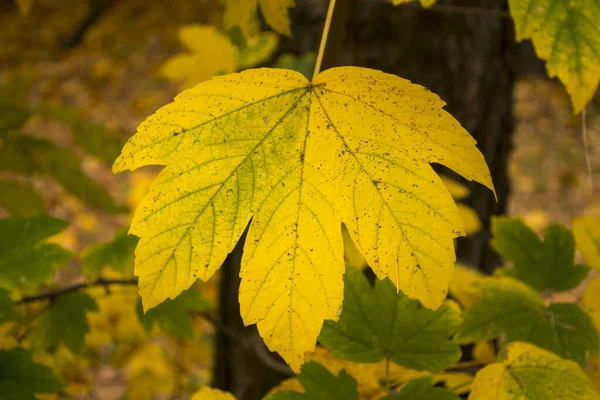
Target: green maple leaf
530, 373
565, 35
25, 260
65, 322
21, 378
509, 307
544, 266
379, 322
320, 384
118, 254
299, 158
422, 389
8, 308
173, 316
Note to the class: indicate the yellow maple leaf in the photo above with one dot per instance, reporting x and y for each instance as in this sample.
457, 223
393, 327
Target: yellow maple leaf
532, 373
242, 13
465, 286
565, 35
587, 237
299, 158
591, 300
207, 393
211, 53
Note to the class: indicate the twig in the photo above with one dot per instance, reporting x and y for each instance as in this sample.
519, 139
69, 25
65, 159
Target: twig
324, 37
104, 282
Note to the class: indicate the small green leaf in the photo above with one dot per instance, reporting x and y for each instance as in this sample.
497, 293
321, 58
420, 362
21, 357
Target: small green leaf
28, 155
65, 322
118, 254
320, 384
510, 307
21, 378
8, 308
12, 117
173, 316
305, 64
21, 199
422, 389
25, 261
544, 266
530, 373
379, 322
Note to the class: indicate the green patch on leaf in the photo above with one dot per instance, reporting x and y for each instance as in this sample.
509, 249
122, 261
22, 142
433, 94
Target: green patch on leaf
21, 378
117, 254
8, 308
65, 322
511, 308
25, 260
27, 155
544, 265
423, 389
173, 316
379, 322
21, 199
320, 384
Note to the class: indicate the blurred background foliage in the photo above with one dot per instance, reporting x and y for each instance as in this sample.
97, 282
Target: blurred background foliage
76, 78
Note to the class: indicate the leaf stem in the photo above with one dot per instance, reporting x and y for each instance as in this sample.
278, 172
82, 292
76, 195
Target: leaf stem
387, 374
324, 37
586, 149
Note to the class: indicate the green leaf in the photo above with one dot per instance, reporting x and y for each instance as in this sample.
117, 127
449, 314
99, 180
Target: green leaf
422, 389
12, 117
509, 307
25, 261
94, 138
530, 373
28, 155
21, 378
305, 64
379, 322
21, 199
544, 266
173, 316
8, 308
65, 322
118, 254
565, 35
320, 384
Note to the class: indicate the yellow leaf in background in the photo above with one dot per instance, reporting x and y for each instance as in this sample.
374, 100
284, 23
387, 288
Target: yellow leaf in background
484, 353
532, 373
565, 35
592, 370
591, 300
465, 287
469, 217
587, 237
259, 49
299, 158
242, 13
424, 3
538, 219
150, 372
207, 393
24, 6
211, 53
457, 190
352, 255
460, 382
276, 14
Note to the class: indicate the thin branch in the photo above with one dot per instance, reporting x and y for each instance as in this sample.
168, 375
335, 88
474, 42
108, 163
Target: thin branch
104, 282
324, 37
450, 9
